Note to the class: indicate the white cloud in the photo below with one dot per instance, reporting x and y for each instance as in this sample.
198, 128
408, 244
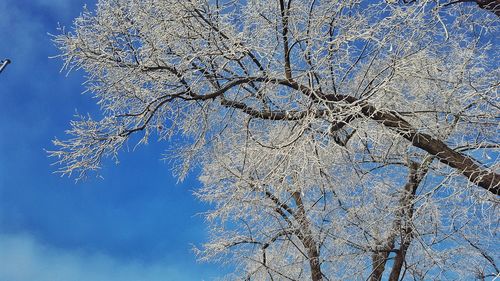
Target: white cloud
22, 258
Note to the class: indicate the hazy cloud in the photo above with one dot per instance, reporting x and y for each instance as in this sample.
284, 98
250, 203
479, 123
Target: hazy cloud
25, 259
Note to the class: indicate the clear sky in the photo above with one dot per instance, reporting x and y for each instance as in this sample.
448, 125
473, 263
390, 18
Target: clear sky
135, 224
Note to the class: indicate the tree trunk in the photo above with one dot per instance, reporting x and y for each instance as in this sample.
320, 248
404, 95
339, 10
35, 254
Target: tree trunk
379, 260
399, 260
406, 226
307, 239
404, 216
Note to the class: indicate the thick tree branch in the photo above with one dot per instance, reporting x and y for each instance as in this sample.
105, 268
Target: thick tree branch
465, 165
488, 5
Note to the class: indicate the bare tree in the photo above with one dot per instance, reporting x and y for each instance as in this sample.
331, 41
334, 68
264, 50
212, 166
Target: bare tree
338, 139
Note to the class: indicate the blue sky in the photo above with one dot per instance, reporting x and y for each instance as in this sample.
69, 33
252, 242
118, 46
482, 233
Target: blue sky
135, 224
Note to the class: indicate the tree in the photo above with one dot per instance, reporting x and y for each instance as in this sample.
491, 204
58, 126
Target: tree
337, 139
